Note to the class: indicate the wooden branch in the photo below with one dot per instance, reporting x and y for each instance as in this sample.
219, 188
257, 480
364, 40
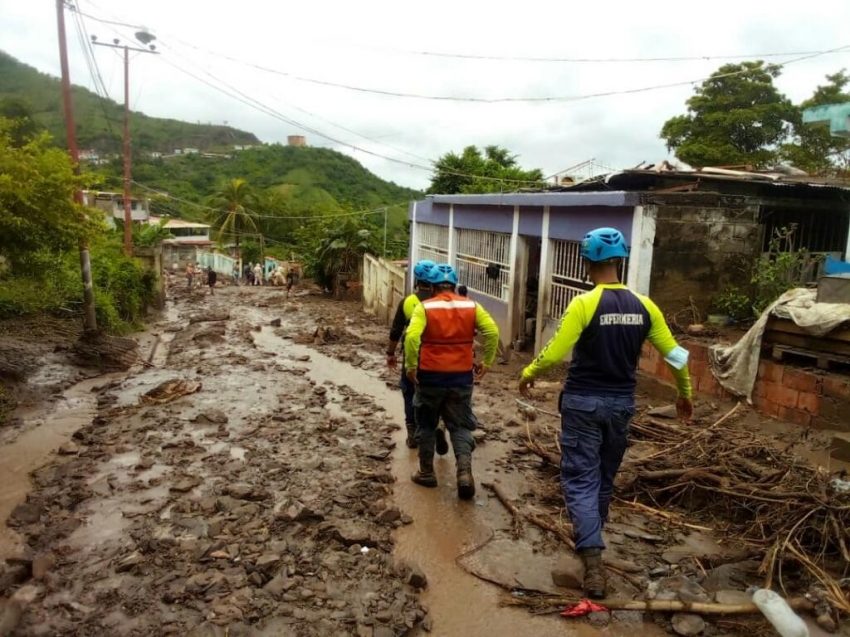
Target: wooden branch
516, 514
672, 606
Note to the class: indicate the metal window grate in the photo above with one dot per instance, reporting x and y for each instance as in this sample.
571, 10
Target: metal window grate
478, 250
433, 243
568, 275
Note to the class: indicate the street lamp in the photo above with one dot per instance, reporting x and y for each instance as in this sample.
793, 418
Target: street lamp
145, 38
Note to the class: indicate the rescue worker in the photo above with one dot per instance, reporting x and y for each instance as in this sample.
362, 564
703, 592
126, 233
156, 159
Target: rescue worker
605, 328
402, 318
440, 363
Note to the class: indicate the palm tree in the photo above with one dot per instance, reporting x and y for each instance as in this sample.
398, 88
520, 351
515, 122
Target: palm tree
232, 216
341, 251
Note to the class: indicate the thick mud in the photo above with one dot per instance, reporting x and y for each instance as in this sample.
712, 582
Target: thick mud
252, 480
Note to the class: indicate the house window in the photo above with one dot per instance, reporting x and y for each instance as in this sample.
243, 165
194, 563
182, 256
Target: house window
482, 262
433, 243
568, 276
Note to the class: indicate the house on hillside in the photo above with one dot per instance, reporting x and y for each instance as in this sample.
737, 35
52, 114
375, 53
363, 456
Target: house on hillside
691, 233
112, 203
188, 237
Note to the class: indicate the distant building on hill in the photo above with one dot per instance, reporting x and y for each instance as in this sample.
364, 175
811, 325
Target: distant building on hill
296, 140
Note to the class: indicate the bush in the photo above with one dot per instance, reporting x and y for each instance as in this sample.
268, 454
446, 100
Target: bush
123, 288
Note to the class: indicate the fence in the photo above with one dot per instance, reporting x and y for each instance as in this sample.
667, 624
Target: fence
383, 287
220, 263
433, 243
568, 276
482, 260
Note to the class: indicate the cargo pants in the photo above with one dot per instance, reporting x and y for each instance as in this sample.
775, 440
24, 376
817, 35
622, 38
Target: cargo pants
594, 437
454, 405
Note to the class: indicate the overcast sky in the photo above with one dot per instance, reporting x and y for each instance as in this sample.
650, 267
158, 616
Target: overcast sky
373, 44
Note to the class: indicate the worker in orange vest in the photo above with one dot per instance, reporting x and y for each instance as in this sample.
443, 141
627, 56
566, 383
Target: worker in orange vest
440, 363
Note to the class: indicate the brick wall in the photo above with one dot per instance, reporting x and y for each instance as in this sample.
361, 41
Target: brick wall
699, 251
806, 398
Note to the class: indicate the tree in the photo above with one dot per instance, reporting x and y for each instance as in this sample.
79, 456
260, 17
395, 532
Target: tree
37, 212
736, 117
23, 127
151, 234
232, 218
473, 172
814, 149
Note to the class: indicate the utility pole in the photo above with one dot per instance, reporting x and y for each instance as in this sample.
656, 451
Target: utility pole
385, 233
90, 320
144, 37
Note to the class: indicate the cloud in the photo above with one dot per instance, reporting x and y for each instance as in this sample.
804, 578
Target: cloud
367, 43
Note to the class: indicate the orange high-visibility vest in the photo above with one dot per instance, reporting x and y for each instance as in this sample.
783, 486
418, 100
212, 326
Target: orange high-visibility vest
449, 334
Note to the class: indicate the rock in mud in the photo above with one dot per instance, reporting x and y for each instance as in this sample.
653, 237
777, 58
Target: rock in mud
185, 485
69, 449
211, 417
27, 513
569, 573
14, 575
732, 597
275, 322
267, 562
130, 562
42, 565
688, 625
351, 532
685, 589
388, 515
10, 616
599, 619
668, 411
731, 576
247, 492
634, 617
276, 585
416, 578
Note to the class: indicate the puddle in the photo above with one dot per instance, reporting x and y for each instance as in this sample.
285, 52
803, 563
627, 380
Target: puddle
444, 527
32, 449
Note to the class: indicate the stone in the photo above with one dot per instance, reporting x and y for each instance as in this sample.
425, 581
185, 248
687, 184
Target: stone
732, 597
185, 485
69, 449
351, 532
247, 492
688, 625
383, 631
130, 562
568, 573
268, 561
696, 329
42, 565
480, 436
599, 619
731, 576
839, 448
276, 585
416, 578
623, 565
628, 616
275, 322
26, 514
685, 589
388, 515
428, 623
211, 417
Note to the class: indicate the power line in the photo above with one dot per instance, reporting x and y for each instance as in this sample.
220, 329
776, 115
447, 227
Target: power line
571, 60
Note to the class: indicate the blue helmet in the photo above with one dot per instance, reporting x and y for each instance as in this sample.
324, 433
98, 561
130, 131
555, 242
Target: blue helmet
421, 269
442, 273
603, 244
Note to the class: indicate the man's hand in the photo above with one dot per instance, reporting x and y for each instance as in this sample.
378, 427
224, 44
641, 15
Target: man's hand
525, 388
392, 362
411, 376
684, 409
480, 370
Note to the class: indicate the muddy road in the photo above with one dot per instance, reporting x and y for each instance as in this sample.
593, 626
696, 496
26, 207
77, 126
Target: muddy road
252, 479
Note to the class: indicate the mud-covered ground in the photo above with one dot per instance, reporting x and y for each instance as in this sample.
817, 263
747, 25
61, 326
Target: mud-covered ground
251, 480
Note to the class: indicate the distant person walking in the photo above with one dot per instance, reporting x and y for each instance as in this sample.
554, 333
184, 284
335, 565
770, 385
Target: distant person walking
190, 276
248, 274
290, 280
212, 277
258, 274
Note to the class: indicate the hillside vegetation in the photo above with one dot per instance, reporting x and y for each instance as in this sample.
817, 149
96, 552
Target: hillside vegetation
94, 116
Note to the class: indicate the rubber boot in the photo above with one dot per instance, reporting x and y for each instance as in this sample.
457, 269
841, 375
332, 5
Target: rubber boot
442, 443
595, 580
425, 476
412, 436
465, 481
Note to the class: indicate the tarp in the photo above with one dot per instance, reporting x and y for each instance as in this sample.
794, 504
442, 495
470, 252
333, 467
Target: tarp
736, 367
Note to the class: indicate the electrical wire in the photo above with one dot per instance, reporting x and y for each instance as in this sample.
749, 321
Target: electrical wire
570, 60
801, 56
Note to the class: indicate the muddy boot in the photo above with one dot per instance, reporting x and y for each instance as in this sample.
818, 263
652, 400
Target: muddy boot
442, 443
595, 583
465, 481
412, 436
425, 476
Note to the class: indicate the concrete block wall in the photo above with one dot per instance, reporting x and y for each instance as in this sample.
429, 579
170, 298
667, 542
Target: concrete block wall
806, 398
699, 251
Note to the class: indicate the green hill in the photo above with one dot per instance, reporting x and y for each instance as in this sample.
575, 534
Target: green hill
94, 116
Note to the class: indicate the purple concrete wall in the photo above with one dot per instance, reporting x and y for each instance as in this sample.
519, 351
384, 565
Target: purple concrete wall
490, 218
429, 212
571, 224
530, 221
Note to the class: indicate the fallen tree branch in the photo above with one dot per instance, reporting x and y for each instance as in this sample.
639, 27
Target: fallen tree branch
663, 606
516, 514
